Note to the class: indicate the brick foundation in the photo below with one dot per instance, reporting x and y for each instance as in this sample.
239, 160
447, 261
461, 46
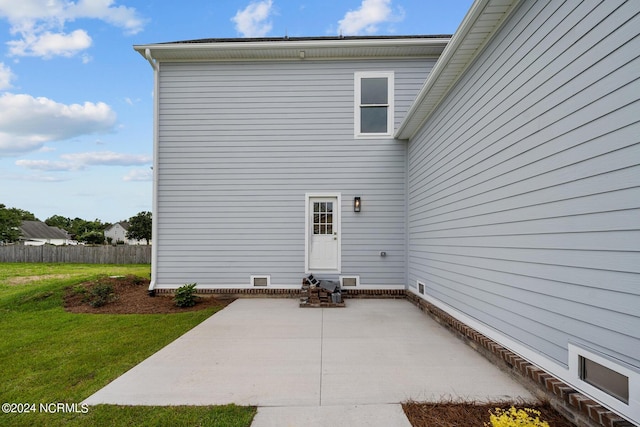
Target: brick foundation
241, 293
292, 293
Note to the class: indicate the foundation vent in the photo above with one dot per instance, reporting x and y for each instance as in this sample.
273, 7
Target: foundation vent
260, 281
349, 281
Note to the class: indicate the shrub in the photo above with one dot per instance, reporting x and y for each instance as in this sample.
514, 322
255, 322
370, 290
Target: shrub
135, 280
186, 295
513, 417
100, 294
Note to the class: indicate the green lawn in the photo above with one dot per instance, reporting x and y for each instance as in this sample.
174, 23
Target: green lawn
48, 355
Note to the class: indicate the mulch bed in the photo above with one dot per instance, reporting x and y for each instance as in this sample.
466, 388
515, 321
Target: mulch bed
131, 297
455, 414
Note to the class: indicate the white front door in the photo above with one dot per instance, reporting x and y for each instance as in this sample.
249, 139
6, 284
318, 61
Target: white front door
323, 234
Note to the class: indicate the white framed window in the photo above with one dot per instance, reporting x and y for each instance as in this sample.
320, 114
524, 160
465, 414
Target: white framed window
373, 104
605, 380
420, 287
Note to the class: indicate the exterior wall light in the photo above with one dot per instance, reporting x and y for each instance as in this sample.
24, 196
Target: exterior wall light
356, 204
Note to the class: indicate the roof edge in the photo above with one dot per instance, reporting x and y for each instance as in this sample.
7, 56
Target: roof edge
310, 38
415, 118
256, 47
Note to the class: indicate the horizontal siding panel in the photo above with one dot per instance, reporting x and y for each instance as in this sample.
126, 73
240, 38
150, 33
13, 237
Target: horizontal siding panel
557, 311
589, 278
570, 167
547, 339
623, 220
524, 185
532, 287
583, 211
514, 198
239, 146
614, 261
561, 152
595, 241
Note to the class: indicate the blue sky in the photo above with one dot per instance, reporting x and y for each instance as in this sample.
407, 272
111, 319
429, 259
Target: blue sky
76, 101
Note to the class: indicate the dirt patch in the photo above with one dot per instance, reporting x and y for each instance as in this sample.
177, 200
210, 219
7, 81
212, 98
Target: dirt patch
22, 280
129, 297
453, 414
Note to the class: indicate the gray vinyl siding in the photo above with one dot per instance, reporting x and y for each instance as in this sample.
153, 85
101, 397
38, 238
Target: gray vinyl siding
239, 146
524, 185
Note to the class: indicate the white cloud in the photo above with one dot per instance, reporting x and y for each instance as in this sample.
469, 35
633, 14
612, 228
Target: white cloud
106, 158
252, 21
46, 165
130, 101
119, 16
26, 13
26, 123
80, 161
5, 76
40, 24
138, 175
42, 178
48, 45
367, 18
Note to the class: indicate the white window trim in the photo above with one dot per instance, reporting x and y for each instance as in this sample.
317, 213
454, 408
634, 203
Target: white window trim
350, 277
358, 76
307, 227
418, 285
263, 276
630, 410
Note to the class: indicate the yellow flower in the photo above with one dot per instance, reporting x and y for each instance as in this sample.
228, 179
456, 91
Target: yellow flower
525, 417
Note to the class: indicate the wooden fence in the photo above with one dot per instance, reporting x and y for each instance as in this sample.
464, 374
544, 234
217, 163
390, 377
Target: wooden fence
121, 254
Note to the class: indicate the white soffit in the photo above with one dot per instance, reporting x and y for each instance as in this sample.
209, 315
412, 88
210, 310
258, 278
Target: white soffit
296, 49
481, 22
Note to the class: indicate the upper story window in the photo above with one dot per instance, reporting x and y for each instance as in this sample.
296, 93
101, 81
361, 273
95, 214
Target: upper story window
373, 104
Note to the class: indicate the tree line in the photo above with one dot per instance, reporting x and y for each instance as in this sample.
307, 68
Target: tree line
79, 229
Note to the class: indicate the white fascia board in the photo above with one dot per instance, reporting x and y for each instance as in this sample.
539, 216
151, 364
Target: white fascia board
417, 114
356, 48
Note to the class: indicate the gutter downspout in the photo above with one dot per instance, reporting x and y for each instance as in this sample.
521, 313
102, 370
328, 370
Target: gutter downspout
152, 62
154, 203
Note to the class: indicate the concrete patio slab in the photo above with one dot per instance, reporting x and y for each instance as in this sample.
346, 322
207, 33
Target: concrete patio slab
331, 416
371, 355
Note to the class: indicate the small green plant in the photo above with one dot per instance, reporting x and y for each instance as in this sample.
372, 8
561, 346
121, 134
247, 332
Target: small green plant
79, 289
186, 295
513, 417
134, 280
100, 294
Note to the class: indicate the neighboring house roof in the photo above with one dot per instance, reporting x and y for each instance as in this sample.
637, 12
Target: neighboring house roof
478, 26
40, 230
123, 224
295, 48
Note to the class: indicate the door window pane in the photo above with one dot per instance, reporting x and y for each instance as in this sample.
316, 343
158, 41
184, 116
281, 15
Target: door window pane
323, 218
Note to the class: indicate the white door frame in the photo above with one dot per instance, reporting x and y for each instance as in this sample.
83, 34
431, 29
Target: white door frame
307, 230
